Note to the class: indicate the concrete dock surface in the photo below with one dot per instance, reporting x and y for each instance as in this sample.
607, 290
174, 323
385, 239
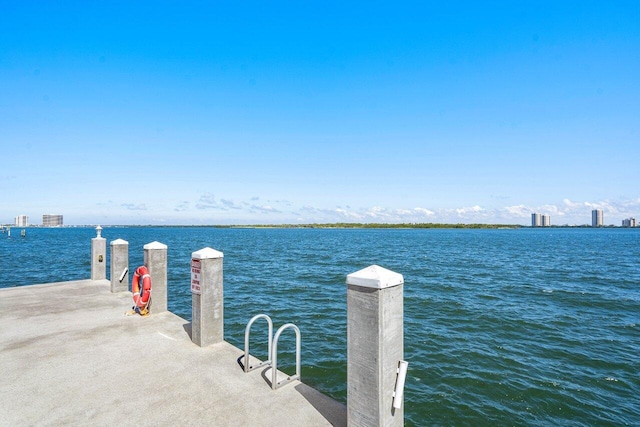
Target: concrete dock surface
69, 356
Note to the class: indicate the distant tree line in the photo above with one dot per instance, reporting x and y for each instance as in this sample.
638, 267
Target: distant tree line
377, 225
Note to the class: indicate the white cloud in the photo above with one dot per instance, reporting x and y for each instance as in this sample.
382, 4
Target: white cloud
228, 210
347, 214
207, 201
519, 211
622, 207
182, 207
425, 212
134, 207
229, 204
373, 214
263, 209
550, 210
469, 210
571, 205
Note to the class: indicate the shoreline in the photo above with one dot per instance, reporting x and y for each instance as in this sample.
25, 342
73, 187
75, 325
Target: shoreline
408, 226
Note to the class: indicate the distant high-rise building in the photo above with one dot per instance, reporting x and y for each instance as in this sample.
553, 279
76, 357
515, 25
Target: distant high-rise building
22, 221
629, 222
597, 218
49, 220
540, 220
536, 220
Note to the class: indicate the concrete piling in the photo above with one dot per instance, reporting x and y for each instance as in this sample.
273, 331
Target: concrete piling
155, 259
207, 317
375, 340
98, 256
119, 265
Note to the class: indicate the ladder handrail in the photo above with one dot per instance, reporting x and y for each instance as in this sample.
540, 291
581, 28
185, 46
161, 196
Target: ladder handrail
274, 366
247, 330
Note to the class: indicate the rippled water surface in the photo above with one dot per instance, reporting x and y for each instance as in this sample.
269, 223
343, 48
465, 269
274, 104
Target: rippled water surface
502, 327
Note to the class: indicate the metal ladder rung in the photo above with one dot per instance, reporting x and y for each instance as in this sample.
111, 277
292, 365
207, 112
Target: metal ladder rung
275, 384
248, 367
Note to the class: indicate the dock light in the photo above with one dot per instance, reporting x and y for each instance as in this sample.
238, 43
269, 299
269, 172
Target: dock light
124, 273
399, 390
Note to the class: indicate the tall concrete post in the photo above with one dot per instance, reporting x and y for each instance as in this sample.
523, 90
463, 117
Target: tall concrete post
375, 340
207, 297
98, 256
155, 259
119, 265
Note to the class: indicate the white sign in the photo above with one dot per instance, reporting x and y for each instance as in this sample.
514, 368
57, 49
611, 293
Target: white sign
195, 276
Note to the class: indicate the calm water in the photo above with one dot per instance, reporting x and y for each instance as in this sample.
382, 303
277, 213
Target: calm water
502, 327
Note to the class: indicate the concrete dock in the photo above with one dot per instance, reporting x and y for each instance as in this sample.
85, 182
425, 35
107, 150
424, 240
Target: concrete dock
69, 356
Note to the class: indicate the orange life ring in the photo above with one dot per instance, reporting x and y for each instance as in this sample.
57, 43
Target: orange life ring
141, 287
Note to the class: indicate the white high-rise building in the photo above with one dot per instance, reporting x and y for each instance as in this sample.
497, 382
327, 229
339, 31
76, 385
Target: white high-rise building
536, 220
540, 220
22, 221
597, 218
629, 222
51, 220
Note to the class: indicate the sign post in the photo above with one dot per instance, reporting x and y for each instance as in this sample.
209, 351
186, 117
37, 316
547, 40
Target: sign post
195, 276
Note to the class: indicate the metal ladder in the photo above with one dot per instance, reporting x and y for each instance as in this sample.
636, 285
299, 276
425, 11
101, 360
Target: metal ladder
274, 369
247, 367
272, 350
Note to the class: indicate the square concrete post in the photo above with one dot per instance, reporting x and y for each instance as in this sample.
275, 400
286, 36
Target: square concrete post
155, 259
119, 265
207, 297
98, 256
375, 334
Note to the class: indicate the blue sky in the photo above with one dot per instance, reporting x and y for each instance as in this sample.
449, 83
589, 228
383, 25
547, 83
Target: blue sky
301, 112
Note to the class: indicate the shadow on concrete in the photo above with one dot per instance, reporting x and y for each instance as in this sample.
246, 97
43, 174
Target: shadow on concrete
240, 359
332, 411
187, 329
264, 376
